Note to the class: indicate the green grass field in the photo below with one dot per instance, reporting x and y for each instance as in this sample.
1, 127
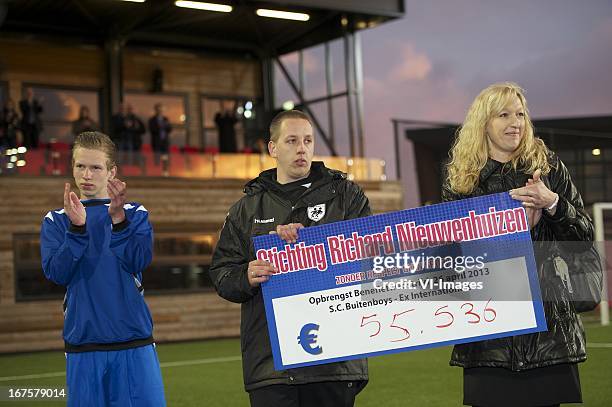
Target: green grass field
208, 373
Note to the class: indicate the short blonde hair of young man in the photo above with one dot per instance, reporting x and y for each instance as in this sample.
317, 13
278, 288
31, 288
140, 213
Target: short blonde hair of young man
95, 140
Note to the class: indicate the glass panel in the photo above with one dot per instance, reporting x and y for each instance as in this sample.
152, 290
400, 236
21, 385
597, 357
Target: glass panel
64, 104
30, 281
178, 278
244, 111
593, 170
180, 265
211, 138
341, 126
567, 156
210, 107
282, 90
319, 110
143, 104
594, 190
178, 137
314, 71
338, 74
60, 132
608, 194
590, 158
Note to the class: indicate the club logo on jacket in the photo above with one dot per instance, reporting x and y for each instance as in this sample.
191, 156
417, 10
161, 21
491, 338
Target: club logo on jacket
316, 213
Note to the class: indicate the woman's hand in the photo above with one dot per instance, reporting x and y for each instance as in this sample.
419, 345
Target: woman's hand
535, 194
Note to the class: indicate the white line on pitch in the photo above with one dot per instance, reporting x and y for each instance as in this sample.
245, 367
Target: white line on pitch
201, 361
599, 345
166, 364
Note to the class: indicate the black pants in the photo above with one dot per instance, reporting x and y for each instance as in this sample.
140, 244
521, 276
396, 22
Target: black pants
324, 394
30, 136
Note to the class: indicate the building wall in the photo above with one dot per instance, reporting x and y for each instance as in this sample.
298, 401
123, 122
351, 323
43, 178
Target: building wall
61, 64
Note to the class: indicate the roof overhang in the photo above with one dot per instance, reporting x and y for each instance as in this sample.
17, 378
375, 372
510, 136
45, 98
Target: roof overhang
159, 23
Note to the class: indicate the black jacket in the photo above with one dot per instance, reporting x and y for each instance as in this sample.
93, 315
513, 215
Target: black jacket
264, 202
569, 229
34, 109
157, 142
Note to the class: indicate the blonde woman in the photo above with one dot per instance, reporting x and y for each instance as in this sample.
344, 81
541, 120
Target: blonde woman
496, 151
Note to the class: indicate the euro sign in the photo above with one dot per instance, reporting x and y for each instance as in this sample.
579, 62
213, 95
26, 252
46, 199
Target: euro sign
308, 339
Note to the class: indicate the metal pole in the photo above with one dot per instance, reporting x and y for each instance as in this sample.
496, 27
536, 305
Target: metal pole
398, 172
301, 75
315, 121
330, 91
267, 65
598, 208
113, 95
358, 70
348, 62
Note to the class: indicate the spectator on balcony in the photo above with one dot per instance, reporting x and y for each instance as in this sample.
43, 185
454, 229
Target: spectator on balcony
226, 127
31, 123
160, 129
84, 122
9, 125
134, 129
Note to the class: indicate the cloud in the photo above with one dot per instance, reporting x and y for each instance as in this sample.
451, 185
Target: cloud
413, 65
437, 97
568, 83
311, 61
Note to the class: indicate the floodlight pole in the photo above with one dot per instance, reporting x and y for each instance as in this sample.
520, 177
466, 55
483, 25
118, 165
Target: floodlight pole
598, 208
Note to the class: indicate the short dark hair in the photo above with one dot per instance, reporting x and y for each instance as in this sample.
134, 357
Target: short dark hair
95, 140
277, 122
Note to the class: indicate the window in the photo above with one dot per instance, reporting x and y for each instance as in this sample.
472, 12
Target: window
175, 109
328, 106
591, 173
248, 128
61, 107
180, 264
30, 281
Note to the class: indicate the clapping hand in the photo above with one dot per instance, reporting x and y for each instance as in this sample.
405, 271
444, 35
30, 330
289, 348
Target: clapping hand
117, 192
73, 207
535, 196
533, 215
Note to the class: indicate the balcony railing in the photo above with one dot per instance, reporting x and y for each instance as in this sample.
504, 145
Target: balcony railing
54, 159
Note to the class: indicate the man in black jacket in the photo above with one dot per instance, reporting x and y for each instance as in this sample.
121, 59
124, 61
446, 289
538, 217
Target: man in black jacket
282, 200
31, 123
160, 129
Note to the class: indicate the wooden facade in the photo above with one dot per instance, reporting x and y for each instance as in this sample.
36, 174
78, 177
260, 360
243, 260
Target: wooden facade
25, 63
174, 205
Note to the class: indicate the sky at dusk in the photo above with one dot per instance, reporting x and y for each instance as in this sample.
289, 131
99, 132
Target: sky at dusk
431, 64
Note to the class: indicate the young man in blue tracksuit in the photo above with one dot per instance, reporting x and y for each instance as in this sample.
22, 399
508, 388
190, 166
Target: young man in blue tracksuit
97, 247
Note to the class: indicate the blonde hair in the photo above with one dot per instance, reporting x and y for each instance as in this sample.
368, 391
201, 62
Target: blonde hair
470, 152
95, 140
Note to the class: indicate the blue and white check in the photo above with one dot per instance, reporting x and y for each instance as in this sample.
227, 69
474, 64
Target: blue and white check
327, 304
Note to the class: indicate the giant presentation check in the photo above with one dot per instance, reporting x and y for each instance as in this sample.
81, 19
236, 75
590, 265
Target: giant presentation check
443, 274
